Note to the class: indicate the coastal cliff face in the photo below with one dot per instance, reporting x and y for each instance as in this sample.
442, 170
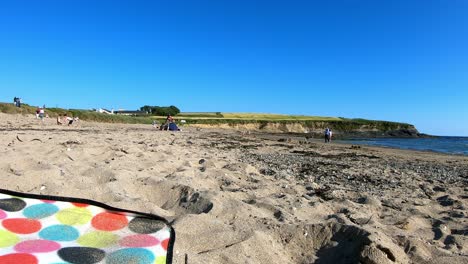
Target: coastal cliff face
315, 129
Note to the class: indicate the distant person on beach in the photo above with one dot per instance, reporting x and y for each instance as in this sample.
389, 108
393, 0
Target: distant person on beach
169, 120
59, 120
330, 137
327, 135
41, 113
17, 101
68, 119
37, 112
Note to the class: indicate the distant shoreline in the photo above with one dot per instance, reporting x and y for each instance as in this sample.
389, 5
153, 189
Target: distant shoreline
444, 145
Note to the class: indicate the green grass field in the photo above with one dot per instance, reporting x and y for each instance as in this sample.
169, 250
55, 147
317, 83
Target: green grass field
253, 116
273, 117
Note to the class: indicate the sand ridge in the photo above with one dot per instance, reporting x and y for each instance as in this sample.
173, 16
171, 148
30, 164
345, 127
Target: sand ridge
237, 197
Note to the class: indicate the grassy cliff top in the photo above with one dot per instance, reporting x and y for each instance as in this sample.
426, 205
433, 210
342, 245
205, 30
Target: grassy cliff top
205, 117
254, 116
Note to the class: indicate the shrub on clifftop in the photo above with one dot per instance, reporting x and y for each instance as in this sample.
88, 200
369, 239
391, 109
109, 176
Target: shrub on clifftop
160, 110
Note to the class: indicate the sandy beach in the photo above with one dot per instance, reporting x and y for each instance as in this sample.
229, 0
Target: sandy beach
247, 197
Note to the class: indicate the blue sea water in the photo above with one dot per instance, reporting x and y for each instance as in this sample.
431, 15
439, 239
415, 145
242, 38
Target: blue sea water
450, 145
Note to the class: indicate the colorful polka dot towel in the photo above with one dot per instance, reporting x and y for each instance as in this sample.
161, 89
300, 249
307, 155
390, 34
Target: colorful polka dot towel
49, 229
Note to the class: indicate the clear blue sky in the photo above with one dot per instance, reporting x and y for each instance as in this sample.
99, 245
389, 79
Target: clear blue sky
388, 60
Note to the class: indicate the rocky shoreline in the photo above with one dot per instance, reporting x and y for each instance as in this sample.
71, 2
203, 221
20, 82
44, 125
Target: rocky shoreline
414, 201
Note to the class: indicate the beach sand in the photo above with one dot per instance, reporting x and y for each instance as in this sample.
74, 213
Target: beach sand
245, 197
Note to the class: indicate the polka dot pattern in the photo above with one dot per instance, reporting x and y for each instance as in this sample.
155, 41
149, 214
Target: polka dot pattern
139, 241
2, 214
16, 258
98, 239
59, 233
81, 255
39, 211
8, 239
74, 216
37, 246
21, 225
143, 225
12, 204
47, 231
79, 204
109, 221
160, 260
165, 244
131, 255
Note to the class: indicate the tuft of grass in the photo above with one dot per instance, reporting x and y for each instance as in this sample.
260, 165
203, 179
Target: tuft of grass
12, 109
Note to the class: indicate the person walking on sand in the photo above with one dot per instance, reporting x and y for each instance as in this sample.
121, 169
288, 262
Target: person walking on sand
327, 135
330, 137
41, 114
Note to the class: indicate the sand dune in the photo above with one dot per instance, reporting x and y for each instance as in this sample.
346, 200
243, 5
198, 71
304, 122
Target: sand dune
235, 197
